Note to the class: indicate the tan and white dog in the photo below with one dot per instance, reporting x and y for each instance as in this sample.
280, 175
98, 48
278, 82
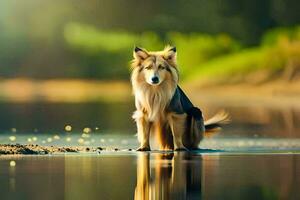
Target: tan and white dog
162, 108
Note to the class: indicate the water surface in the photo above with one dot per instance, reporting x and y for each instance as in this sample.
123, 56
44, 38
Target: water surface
151, 176
255, 157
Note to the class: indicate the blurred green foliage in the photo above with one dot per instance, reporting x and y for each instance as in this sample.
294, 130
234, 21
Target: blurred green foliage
114, 49
278, 56
213, 59
274, 35
94, 39
106, 53
197, 48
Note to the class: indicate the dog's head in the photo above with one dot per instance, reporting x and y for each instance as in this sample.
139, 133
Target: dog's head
155, 67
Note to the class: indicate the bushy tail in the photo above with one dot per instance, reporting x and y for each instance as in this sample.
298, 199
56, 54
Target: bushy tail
214, 124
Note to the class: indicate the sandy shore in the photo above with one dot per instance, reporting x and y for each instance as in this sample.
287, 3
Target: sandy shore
34, 149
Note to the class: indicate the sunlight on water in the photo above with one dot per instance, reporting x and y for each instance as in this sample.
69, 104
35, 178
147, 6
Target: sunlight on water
253, 128
68, 128
121, 141
12, 138
258, 141
12, 163
87, 130
251, 144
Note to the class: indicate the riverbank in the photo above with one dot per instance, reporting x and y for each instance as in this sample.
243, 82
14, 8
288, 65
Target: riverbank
78, 90
63, 90
225, 145
274, 93
35, 149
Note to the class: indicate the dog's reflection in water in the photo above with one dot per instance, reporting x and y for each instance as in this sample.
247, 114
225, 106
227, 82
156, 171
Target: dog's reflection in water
168, 176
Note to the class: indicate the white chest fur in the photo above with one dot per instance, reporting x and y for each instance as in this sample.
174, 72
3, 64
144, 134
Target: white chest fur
153, 101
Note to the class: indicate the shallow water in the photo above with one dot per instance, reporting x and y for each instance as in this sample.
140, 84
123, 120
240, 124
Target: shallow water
115, 118
257, 156
151, 176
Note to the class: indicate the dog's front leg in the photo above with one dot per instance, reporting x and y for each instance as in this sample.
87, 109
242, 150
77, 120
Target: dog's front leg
143, 129
177, 125
143, 185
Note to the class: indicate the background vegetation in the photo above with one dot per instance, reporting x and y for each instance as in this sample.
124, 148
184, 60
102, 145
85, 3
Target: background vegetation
252, 41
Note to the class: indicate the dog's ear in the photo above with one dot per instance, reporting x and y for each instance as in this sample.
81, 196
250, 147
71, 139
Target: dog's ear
140, 54
170, 55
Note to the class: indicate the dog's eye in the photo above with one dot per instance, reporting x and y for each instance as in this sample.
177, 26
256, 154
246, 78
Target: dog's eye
148, 67
161, 67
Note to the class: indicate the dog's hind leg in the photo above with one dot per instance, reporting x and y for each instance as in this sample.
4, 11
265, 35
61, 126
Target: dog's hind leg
177, 125
143, 132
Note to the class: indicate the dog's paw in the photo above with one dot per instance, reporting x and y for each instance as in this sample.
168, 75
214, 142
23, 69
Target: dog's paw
144, 149
181, 149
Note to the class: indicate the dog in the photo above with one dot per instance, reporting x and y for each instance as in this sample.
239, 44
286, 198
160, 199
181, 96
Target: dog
162, 108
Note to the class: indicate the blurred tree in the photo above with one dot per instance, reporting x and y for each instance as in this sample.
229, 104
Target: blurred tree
32, 32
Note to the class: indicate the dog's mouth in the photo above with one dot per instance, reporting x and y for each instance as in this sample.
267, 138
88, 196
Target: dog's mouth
153, 84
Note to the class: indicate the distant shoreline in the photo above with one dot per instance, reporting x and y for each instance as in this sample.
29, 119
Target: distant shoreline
80, 90
273, 93
63, 90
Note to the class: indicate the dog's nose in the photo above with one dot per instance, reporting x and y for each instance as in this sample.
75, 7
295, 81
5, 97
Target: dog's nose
154, 79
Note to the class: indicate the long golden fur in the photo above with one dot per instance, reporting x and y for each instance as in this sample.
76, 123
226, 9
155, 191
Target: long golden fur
154, 80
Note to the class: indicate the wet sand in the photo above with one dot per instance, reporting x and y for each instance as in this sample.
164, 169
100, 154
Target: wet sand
34, 149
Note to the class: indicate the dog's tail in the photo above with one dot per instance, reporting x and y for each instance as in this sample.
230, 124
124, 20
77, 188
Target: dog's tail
214, 124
